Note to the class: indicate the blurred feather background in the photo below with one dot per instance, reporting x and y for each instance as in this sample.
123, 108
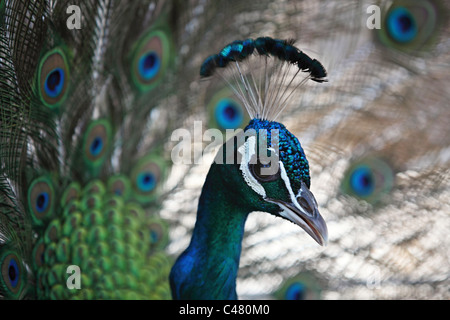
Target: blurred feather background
378, 139
377, 135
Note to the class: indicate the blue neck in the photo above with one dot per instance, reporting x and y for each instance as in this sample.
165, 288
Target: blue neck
208, 268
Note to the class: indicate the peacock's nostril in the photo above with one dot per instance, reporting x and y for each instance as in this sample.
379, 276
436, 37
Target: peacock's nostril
305, 204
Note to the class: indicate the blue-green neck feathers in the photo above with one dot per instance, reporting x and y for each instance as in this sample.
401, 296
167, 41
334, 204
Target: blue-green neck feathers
208, 268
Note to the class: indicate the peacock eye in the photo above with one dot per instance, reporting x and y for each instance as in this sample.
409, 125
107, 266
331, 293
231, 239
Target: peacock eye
362, 181
265, 172
296, 291
146, 181
13, 273
149, 65
150, 60
146, 177
54, 83
97, 141
38, 254
226, 112
10, 274
401, 25
53, 78
229, 114
41, 199
96, 146
42, 202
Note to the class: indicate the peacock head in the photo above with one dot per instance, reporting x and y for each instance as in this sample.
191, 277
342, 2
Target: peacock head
272, 167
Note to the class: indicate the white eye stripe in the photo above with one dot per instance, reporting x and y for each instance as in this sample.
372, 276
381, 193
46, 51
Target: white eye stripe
289, 188
248, 150
287, 183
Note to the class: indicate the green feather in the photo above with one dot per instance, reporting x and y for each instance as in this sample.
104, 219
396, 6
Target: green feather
150, 60
370, 179
94, 241
53, 78
147, 178
97, 144
86, 118
41, 200
13, 274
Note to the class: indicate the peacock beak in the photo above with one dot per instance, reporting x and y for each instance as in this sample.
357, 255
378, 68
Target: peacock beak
303, 211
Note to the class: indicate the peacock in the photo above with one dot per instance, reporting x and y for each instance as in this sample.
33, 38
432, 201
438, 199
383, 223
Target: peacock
80, 187
91, 93
377, 136
243, 178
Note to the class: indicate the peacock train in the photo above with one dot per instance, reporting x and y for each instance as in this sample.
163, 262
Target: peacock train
334, 183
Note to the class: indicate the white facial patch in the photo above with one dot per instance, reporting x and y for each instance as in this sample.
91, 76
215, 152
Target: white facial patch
248, 150
291, 192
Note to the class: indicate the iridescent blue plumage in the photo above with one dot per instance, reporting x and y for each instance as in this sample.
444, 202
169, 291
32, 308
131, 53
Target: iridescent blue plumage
412, 26
369, 179
238, 50
211, 63
149, 65
291, 151
296, 291
96, 146
146, 182
228, 115
54, 83
361, 181
133, 63
401, 25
